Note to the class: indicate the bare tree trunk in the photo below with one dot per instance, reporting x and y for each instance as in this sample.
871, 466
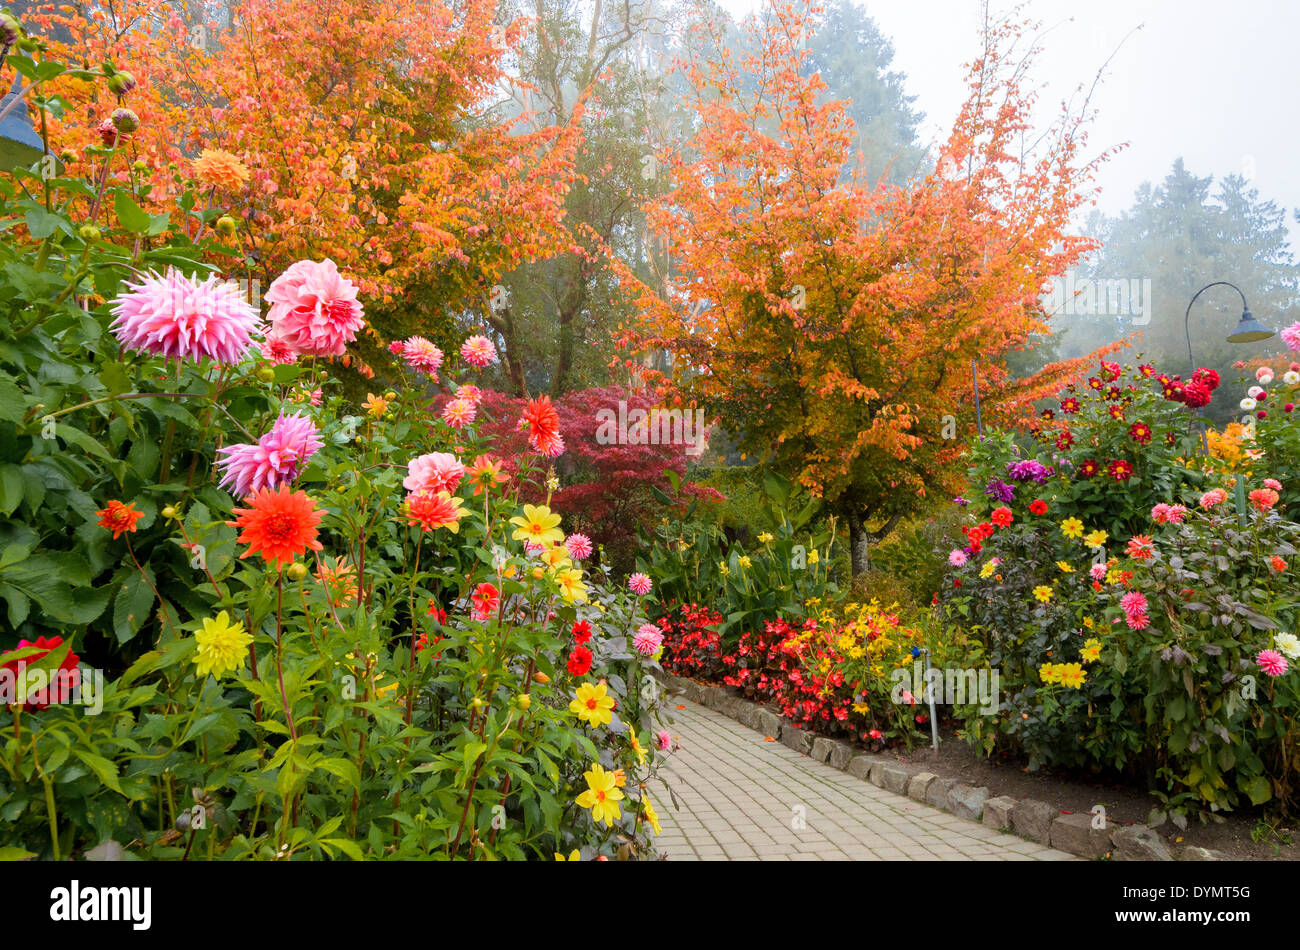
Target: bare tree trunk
860, 539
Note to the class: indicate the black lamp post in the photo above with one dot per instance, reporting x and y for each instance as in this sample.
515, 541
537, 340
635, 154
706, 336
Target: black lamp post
1249, 330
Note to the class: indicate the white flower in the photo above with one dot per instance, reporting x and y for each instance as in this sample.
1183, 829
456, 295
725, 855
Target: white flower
1254, 392
1264, 378
1291, 377
1288, 644
1248, 404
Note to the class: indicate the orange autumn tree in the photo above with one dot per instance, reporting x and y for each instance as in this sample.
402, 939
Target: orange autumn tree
366, 127
829, 323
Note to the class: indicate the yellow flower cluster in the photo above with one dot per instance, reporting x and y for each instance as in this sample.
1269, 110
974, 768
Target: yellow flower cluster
1071, 675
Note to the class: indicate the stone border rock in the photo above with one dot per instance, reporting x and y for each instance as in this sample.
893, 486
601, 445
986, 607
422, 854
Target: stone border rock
1028, 818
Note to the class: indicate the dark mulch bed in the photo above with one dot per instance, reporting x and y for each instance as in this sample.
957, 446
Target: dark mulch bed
1079, 793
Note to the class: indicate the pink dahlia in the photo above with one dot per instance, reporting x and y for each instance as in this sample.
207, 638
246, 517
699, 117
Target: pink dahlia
1291, 336
1216, 496
179, 317
663, 740
434, 472
478, 351
276, 459
277, 351
648, 639
315, 308
458, 413
396, 347
1271, 662
957, 557
1097, 572
470, 392
1273, 483
578, 546
639, 583
422, 356
1134, 605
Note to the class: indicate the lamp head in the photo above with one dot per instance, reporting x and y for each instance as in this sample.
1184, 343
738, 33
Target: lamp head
1249, 330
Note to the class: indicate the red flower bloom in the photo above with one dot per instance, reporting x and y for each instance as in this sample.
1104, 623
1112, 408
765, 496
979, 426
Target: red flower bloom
280, 525
119, 518
485, 600
1089, 468
1141, 433
1070, 405
1002, 517
1038, 506
59, 683
1119, 470
1064, 440
1116, 412
580, 661
582, 631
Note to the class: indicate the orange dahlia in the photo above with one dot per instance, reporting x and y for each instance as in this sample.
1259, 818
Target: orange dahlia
119, 518
543, 425
220, 169
430, 510
279, 525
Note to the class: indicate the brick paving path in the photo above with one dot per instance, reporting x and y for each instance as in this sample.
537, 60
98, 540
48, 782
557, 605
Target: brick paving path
739, 794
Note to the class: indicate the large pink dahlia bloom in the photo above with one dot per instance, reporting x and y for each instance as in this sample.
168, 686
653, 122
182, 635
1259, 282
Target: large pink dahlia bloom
180, 317
434, 472
315, 309
275, 460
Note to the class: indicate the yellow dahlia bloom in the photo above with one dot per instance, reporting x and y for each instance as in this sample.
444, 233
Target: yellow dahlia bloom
601, 796
222, 646
592, 705
539, 525
650, 814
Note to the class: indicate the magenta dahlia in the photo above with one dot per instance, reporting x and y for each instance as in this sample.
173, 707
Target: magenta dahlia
276, 459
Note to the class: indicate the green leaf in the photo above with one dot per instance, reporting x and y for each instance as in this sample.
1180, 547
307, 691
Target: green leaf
129, 214
42, 223
103, 768
1259, 789
12, 487
131, 608
343, 844
12, 853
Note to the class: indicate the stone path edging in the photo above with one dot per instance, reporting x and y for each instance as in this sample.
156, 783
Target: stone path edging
1030, 819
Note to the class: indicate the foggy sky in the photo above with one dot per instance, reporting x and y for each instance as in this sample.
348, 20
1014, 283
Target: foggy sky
1212, 82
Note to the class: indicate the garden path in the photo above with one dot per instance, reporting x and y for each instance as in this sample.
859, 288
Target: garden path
740, 798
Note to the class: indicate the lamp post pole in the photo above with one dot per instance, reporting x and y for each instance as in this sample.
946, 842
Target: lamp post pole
1249, 330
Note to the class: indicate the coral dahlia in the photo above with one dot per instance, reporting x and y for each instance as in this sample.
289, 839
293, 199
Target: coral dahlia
279, 525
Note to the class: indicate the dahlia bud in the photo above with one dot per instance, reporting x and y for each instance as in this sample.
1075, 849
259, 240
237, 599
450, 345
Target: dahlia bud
525, 701
140, 165
121, 84
266, 374
541, 678
226, 225
67, 156
125, 121
390, 395
169, 512
297, 571
89, 232
10, 30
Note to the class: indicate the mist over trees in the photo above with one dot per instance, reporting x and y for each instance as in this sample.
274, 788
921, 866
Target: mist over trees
1179, 235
